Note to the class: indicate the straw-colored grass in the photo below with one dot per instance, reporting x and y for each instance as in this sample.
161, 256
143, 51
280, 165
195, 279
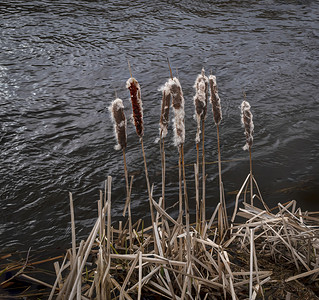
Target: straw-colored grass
207, 269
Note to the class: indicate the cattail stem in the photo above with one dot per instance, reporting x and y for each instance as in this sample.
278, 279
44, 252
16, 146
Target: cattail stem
148, 184
185, 190
223, 214
188, 239
251, 178
180, 183
128, 200
204, 175
162, 150
198, 214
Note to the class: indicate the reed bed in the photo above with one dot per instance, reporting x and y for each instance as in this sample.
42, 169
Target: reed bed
215, 258
238, 267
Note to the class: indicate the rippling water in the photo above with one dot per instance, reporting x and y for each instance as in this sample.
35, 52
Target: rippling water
62, 61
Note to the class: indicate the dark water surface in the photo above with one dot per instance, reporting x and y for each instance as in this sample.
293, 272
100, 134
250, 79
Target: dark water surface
61, 62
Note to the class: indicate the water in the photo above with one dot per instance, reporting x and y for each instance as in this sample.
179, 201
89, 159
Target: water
62, 61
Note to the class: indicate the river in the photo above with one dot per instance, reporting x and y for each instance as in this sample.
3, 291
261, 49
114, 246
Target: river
61, 63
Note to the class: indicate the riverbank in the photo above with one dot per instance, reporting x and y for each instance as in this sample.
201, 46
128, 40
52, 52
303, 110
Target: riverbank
265, 253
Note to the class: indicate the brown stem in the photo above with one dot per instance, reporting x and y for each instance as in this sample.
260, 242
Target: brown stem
128, 200
180, 182
188, 240
198, 222
204, 176
148, 185
251, 178
162, 147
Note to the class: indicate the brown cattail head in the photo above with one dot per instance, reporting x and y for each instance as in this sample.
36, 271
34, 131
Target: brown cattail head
215, 100
166, 101
247, 122
117, 112
178, 106
135, 92
200, 100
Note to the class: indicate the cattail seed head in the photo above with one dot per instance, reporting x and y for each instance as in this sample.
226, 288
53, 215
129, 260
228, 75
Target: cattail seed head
117, 113
166, 101
178, 107
137, 106
247, 122
200, 100
215, 100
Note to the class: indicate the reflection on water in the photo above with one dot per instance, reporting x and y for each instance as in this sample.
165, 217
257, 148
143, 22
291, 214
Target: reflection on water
62, 61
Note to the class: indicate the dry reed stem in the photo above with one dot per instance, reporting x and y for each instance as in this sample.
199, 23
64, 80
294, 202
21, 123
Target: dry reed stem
206, 266
128, 199
203, 177
73, 263
198, 223
148, 184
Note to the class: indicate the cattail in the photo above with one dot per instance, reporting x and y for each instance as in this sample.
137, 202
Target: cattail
166, 101
215, 100
178, 106
247, 121
200, 101
117, 112
137, 107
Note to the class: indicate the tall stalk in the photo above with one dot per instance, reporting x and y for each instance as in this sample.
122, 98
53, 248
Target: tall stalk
203, 177
117, 112
137, 107
251, 178
128, 201
198, 212
217, 115
200, 103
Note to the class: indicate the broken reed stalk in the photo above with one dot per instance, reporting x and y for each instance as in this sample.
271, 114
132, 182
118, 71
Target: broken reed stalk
120, 129
137, 107
247, 122
217, 115
200, 103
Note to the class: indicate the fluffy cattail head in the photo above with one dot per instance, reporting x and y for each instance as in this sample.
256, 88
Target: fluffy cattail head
247, 122
215, 100
178, 107
200, 100
117, 113
201, 97
135, 92
166, 101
